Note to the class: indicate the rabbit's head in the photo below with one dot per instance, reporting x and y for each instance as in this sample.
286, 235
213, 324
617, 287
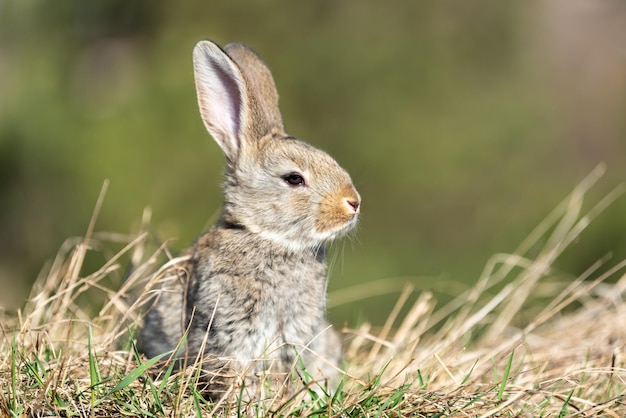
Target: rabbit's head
276, 186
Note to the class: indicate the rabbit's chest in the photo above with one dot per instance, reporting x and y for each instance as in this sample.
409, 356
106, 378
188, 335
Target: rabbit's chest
288, 311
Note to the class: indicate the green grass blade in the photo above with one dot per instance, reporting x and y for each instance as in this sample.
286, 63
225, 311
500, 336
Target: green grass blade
394, 399
156, 395
471, 402
338, 394
14, 409
94, 370
33, 370
421, 380
196, 403
170, 369
140, 370
564, 408
469, 374
505, 377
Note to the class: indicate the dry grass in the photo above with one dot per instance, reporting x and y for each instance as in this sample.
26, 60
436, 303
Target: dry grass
526, 340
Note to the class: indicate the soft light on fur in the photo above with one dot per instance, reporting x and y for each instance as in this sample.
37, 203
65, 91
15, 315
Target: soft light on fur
252, 296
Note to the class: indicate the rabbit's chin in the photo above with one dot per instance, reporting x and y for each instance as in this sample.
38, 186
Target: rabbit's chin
303, 242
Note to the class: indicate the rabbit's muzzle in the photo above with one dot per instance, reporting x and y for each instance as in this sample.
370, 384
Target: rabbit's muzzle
339, 211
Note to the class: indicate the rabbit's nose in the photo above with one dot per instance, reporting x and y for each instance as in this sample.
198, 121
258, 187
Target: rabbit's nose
353, 204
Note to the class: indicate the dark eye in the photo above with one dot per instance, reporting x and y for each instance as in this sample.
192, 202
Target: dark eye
294, 179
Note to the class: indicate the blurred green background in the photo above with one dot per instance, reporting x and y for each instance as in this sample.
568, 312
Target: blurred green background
462, 123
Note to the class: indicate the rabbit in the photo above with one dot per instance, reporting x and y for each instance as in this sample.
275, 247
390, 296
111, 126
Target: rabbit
251, 298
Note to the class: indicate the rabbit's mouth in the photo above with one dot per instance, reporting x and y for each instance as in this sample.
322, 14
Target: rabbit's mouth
296, 241
338, 231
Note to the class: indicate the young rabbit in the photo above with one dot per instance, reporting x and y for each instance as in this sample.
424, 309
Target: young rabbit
252, 296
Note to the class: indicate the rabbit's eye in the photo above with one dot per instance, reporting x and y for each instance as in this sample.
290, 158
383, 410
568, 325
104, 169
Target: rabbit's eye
294, 179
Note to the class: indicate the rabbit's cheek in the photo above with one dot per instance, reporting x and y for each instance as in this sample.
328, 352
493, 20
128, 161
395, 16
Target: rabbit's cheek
298, 206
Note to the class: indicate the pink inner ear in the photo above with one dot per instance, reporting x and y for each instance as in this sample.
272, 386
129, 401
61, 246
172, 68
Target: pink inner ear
219, 86
227, 102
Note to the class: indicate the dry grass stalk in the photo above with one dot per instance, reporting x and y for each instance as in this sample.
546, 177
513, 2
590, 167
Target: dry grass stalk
475, 356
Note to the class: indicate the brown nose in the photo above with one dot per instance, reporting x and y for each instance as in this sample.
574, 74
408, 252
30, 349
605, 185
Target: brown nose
354, 204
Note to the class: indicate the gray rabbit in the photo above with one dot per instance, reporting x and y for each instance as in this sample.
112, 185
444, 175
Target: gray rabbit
252, 296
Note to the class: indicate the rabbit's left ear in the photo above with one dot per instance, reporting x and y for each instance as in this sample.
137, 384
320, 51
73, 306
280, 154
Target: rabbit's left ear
237, 96
222, 97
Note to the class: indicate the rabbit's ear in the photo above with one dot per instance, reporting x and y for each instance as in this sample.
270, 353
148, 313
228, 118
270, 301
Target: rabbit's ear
222, 97
260, 82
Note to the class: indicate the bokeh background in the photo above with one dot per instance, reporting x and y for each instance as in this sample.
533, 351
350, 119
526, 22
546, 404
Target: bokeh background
462, 123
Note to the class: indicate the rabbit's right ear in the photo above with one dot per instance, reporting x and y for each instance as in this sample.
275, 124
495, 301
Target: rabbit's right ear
222, 97
261, 84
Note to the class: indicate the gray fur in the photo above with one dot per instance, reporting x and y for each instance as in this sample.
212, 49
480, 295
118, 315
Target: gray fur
253, 293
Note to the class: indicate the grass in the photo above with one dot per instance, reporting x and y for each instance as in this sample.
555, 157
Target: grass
525, 340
